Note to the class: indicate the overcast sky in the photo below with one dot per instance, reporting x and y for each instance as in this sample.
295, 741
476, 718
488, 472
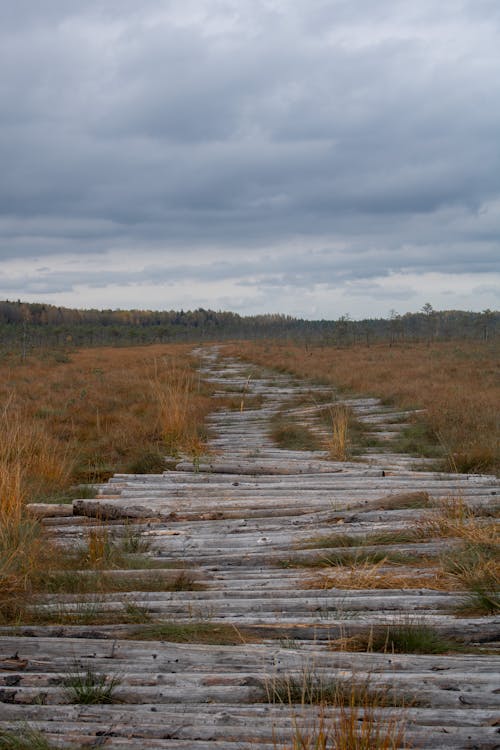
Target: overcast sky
312, 157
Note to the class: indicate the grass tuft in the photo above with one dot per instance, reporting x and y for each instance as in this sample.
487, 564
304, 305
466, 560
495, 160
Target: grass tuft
338, 441
88, 687
408, 637
312, 688
292, 435
350, 728
24, 737
476, 568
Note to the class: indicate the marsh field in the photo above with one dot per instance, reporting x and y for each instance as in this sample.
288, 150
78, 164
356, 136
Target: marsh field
309, 533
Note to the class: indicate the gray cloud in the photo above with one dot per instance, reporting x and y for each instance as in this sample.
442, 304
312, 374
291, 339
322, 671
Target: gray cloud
366, 135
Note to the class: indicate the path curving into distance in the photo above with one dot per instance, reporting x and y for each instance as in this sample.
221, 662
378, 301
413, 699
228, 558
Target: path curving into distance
246, 525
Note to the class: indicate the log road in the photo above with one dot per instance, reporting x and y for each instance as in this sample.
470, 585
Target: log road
240, 520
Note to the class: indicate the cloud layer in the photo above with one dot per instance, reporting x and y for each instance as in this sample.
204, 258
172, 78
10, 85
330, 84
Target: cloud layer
243, 152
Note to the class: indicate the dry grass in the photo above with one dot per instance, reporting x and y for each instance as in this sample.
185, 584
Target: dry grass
64, 421
28, 463
352, 713
180, 428
104, 409
380, 575
338, 441
470, 564
350, 728
401, 501
474, 563
455, 518
310, 687
456, 384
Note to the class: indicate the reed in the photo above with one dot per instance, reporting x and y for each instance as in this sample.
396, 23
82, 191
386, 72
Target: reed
338, 441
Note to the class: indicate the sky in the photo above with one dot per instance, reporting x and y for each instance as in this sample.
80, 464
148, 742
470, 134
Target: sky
310, 157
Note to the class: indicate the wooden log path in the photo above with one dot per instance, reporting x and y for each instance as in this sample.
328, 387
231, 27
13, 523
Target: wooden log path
245, 523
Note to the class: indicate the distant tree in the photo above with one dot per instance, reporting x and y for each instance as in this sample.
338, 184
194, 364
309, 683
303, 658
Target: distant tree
342, 329
395, 327
486, 320
429, 317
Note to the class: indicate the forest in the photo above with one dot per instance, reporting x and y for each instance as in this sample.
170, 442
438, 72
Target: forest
26, 325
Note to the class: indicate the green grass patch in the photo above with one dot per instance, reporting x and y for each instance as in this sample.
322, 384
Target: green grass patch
25, 737
88, 687
148, 462
418, 439
192, 632
401, 536
289, 434
404, 638
350, 558
87, 612
79, 492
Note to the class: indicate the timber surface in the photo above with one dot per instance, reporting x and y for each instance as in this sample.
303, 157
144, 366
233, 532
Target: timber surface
238, 519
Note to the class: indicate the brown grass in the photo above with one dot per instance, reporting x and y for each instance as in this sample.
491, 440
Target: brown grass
456, 384
28, 463
381, 576
473, 564
104, 408
338, 441
350, 714
350, 728
81, 420
455, 518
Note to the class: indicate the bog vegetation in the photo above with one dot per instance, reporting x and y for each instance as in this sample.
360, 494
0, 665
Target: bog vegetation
455, 384
72, 421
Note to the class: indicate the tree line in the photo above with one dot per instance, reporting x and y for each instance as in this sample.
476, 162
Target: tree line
28, 325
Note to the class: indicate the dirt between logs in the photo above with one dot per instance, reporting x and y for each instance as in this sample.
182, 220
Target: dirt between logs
272, 575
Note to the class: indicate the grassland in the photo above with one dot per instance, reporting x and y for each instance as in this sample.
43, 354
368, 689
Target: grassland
65, 421
455, 384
